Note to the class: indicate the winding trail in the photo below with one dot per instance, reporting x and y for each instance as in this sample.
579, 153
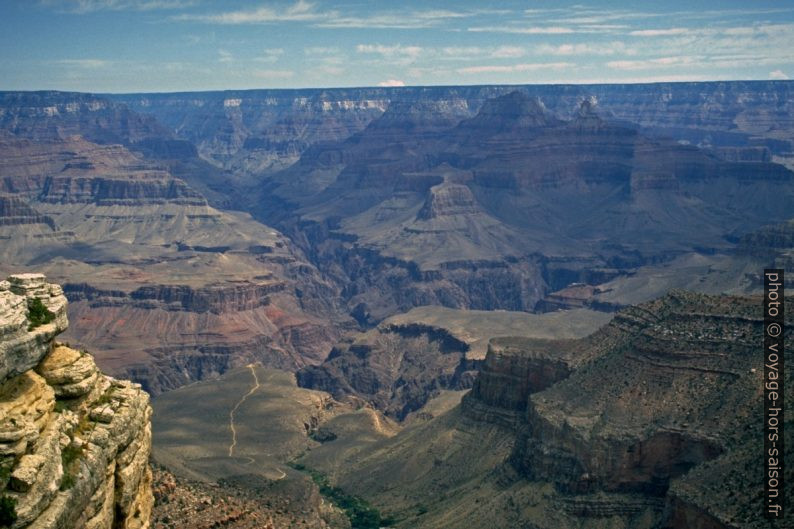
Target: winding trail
231, 413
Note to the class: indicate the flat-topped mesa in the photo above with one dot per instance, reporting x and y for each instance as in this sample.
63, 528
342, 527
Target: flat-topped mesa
515, 368
217, 298
74, 443
446, 200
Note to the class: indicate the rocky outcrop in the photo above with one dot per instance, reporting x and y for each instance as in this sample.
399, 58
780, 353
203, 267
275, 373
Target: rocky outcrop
448, 200
50, 115
655, 410
142, 188
23, 346
513, 369
217, 299
74, 443
395, 368
650, 422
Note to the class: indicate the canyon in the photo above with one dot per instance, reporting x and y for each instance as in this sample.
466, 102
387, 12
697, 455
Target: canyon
434, 307
649, 421
198, 232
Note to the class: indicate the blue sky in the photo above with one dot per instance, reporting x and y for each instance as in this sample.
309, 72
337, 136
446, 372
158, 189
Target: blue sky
176, 45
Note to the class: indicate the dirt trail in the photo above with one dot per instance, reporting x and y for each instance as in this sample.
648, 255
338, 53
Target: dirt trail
231, 413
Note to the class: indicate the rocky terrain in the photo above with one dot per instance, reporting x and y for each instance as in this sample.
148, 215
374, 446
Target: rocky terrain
410, 358
649, 422
235, 439
74, 443
181, 503
195, 233
269, 124
504, 207
169, 288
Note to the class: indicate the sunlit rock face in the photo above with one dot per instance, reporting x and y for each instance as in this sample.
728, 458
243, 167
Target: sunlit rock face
74, 443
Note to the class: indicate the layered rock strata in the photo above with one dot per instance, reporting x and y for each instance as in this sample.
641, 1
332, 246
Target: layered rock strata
74, 443
659, 404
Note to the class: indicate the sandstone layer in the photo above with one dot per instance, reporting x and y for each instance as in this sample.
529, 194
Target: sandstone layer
74, 443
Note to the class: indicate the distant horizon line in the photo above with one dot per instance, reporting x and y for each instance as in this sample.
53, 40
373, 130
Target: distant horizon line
390, 88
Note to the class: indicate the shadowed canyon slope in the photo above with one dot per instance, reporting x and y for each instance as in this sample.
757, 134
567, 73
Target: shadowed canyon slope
170, 288
501, 208
413, 357
381, 200
650, 422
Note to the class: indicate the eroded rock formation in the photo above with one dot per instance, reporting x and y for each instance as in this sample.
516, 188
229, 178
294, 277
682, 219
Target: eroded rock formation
661, 402
74, 443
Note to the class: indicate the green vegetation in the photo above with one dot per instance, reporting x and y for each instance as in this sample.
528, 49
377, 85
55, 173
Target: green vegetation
106, 397
8, 511
5, 475
69, 457
67, 481
38, 314
361, 514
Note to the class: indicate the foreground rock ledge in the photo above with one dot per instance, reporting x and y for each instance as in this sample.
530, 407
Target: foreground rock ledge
74, 443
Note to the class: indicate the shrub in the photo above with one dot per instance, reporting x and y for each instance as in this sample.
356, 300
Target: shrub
38, 314
67, 482
8, 511
360, 513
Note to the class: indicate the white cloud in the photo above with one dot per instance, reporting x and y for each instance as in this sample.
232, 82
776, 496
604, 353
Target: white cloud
611, 48
466, 53
90, 6
661, 62
392, 82
778, 75
402, 20
321, 50
462, 52
525, 67
84, 63
304, 11
534, 30
300, 11
508, 52
396, 53
270, 55
673, 78
273, 74
326, 70
660, 32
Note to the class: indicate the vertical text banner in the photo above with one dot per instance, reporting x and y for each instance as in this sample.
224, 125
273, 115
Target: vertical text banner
774, 405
